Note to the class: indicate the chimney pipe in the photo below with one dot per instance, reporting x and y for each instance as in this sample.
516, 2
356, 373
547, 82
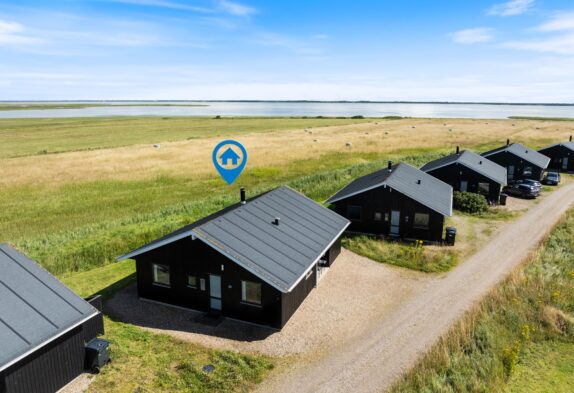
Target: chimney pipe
507, 142
570, 138
458, 150
419, 181
276, 221
242, 195
390, 165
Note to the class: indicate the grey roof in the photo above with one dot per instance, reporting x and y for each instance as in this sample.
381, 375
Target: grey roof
430, 191
519, 150
35, 308
568, 145
281, 254
473, 161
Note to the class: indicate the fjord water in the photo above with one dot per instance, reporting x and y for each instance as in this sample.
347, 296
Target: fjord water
372, 109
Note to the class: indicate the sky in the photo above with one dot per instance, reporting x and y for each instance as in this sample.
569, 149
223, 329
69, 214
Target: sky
407, 50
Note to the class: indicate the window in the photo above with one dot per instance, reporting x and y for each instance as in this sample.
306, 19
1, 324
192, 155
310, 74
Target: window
160, 274
378, 216
202, 284
421, 221
251, 292
484, 188
527, 171
354, 212
191, 281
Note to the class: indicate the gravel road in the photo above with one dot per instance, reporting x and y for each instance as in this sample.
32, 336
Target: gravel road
372, 361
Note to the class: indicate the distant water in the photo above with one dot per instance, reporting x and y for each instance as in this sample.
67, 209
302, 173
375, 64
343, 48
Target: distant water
435, 110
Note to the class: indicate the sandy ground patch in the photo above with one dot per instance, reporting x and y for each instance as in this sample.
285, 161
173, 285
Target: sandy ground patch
192, 158
354, 294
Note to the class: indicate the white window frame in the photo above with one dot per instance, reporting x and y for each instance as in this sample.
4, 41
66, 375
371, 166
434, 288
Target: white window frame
155, 267
244, 293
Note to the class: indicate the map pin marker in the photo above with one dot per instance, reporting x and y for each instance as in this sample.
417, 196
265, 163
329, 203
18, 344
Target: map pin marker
229, 158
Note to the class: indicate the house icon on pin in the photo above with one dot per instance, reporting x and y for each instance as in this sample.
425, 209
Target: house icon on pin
229, 154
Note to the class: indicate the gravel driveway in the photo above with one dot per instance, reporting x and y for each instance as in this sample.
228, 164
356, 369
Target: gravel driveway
372, 361
353, 294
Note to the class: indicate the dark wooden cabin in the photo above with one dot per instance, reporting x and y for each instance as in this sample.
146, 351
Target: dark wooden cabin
520, 161
469, 172
561, 156
255, 261
399, 201
43, 327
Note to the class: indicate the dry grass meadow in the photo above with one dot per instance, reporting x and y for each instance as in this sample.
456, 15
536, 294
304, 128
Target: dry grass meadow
192, 158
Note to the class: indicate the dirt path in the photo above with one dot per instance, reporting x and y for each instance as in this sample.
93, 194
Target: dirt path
373, 361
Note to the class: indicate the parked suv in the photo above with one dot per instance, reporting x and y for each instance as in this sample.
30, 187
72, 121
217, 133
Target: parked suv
551, 178
535, 183
522, 190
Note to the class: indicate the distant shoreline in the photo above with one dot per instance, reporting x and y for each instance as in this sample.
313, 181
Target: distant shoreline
158, 102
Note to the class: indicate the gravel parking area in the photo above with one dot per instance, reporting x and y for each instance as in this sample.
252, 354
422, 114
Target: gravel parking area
354, 294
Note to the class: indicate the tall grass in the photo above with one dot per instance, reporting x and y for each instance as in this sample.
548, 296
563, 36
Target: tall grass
88, 246
22, 137
533, 307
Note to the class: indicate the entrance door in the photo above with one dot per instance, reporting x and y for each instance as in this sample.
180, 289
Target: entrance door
510, 172
215, 292
463, 186
565, 163
395, 222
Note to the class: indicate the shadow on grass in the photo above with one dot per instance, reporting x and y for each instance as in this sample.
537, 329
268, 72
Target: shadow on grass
125, 306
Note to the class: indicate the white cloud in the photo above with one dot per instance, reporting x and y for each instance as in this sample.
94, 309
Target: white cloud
223, 6
10, 34
235, 8
510, 8
473, 36
563, 45
165, 4
562, 42
560, 22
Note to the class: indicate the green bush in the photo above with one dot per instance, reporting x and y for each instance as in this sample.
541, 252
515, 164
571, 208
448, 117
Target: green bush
469, 202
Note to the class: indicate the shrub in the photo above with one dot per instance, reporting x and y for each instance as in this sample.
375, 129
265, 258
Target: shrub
469, 202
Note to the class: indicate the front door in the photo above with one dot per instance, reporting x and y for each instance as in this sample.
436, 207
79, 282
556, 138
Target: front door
215, 292
395, 222
565, 163
463, 186
510, 172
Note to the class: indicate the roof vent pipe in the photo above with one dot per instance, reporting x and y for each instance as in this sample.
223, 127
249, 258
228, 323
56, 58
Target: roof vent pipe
507, 142
242, 195
419, 181
570, 138
276, 221
389, 165
458, 150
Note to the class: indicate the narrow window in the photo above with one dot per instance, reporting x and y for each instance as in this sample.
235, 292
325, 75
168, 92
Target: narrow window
484, 188
251, 292
527, 171
202, 284
192, 281
160, 274
378, 216
421, 221
354, 213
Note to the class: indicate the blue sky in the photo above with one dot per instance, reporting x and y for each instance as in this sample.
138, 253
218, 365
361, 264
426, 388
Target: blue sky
518, 50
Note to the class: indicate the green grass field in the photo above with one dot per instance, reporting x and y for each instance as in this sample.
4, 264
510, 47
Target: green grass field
76, 228
23, 137
519, 339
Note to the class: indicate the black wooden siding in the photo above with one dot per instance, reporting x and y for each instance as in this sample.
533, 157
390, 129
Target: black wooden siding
454, 174
557, 154
506, 159
383, 200
53, 366
193, 257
